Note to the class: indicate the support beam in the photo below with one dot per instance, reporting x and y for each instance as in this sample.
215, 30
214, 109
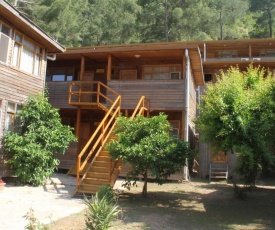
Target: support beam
77, 130
82, 68
109, 69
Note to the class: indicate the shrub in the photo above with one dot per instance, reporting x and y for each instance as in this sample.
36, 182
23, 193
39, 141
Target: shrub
100, 212
40, 135
107, 192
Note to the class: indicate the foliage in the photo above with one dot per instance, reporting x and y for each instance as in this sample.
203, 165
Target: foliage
100, 212
107, 192
237, 115
33, 222
102, 22
41, 135
147, 145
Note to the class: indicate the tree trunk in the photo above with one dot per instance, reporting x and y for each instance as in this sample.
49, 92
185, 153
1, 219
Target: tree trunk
221, 26
270, 24
144, 190
166, 21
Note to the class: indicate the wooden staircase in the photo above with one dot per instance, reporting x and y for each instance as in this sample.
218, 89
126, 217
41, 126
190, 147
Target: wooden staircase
94, 166
218, 171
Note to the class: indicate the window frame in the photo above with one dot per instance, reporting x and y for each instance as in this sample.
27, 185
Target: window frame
168, 73
37, 52
11, 112
50, 74
9, 40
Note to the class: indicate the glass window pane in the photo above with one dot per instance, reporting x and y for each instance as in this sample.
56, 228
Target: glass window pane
11, 107
18, 38
4, 47
9, 122
58, 78
29, 44
70, 78
27, 61
37, 65
5, 30
15, 55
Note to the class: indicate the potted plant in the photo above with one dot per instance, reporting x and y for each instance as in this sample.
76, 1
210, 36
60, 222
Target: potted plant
2, 184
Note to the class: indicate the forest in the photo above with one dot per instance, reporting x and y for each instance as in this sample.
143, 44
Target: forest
75, 23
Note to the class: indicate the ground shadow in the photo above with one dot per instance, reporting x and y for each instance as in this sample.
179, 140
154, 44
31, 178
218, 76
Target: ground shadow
215, 208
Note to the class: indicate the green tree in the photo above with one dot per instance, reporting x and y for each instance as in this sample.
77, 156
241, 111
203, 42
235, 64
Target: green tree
42, 135
237, 115
147, 145
264, 14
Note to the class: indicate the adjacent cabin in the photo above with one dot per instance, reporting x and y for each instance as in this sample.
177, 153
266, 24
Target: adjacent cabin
221, 55
24, 50
91, 84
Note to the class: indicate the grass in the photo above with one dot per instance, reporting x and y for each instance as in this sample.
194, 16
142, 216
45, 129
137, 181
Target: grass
188, 205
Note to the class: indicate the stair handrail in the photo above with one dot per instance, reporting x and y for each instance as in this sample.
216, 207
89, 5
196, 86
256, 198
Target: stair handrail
142, 106
98, 93
104, 130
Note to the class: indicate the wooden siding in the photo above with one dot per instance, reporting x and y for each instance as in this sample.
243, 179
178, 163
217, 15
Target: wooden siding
58, 94
163, 94
68, 159
16, 86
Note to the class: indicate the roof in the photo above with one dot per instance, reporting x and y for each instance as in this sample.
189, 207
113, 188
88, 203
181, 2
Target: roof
145, 51
29, 28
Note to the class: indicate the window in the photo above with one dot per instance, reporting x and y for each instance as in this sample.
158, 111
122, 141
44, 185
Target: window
161, 72
12, 122
175, 128
27, 56
4, 42
60, 74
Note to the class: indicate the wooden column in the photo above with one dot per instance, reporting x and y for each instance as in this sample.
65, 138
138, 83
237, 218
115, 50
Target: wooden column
82, 69
77, 129
182, 133
183, 66
109, 69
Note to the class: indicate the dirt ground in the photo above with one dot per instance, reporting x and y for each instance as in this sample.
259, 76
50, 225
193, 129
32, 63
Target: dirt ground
189, 205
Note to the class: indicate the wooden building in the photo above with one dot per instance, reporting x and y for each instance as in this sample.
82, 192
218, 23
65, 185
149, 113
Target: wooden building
85, 82
166, 74
221, 55
24, 49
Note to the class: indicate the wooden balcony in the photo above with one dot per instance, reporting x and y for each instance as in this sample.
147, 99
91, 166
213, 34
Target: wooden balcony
163, 94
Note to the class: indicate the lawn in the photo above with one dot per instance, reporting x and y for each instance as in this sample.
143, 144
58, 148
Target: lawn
189, 205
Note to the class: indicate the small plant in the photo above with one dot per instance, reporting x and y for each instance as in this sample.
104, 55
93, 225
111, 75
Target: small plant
100, 213
107, 192
33, 223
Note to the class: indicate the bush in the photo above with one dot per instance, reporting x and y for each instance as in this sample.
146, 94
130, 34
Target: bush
39, 136
107, 192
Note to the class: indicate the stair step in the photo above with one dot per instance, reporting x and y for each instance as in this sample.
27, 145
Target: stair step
104, 152
101, 163
103, 158
218, 177
91, 188
93, 181
99, 169
97, 175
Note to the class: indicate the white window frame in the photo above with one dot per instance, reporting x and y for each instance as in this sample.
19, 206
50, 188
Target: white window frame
7, 45
25, 48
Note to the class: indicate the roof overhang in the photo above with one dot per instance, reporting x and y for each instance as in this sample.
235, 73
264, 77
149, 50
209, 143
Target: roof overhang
29, 28
141, 53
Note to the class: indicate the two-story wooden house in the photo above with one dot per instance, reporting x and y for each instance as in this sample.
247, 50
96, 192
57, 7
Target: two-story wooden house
90, 84
24, 50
